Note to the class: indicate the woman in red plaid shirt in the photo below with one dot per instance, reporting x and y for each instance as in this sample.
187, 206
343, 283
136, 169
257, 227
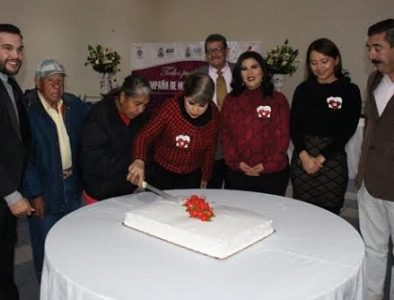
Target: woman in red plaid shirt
254, 129
183, 134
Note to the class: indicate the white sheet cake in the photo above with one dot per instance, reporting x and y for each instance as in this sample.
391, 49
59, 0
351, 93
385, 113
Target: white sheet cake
230, 231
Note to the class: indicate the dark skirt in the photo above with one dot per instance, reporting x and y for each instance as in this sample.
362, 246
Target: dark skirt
327, 187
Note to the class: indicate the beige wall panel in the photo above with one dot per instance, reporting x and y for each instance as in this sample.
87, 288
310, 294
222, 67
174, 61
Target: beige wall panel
62, 29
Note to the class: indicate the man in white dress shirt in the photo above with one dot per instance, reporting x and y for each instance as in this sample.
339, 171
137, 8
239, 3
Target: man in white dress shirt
220, 70
376, 168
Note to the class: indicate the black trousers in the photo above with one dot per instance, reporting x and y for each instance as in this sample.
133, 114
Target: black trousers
273, 183
8, 289
218, 175
167, 180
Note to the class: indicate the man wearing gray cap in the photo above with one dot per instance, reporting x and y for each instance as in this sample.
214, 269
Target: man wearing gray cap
51, 180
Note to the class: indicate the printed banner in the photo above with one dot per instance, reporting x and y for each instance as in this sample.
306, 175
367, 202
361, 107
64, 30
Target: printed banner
165, 65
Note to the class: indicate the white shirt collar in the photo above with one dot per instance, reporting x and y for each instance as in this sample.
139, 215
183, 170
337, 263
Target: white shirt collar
383, 93
46, 105
213, 72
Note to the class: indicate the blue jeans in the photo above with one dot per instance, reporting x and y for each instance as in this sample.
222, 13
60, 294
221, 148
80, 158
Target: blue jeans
39, 228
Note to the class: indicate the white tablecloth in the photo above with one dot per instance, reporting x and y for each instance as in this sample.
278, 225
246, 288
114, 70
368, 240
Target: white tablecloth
312, 255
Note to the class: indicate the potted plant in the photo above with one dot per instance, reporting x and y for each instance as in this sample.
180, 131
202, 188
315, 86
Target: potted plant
104, 61
282, 60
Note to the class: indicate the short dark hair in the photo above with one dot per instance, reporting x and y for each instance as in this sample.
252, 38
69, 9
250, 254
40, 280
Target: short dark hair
326, 47
237, 83
215, 37
9, 28
386, 26
200, 87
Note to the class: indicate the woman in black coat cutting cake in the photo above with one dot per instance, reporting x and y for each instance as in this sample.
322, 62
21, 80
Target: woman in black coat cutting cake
108, 137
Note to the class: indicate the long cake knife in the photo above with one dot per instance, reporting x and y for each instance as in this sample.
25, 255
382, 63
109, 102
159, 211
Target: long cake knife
161, 193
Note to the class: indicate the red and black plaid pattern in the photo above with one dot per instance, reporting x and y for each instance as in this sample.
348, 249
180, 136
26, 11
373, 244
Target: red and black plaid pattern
179, 146
255, 129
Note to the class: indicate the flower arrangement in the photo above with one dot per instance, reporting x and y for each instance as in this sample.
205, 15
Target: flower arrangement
282, 59
198, 208
103, 60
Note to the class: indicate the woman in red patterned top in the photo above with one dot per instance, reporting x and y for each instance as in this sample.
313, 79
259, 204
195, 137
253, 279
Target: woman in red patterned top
184, 134
255, 129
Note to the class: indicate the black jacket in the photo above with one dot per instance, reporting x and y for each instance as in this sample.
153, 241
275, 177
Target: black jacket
14, 141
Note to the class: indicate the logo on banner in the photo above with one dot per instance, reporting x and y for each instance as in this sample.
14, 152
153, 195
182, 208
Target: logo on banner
187, 52
139, 53
160, 53
170, 52
182, 141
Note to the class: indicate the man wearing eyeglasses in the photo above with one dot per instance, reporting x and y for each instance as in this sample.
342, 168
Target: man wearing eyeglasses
220, 70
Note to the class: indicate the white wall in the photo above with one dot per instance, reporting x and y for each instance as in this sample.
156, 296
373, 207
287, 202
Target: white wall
62, 29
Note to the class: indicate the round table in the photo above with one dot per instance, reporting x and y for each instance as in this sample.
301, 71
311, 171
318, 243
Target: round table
313, 254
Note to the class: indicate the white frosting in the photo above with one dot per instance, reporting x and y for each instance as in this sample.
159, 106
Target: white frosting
231, 230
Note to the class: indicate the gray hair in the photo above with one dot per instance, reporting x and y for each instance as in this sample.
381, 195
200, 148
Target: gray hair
135, 86
200, 87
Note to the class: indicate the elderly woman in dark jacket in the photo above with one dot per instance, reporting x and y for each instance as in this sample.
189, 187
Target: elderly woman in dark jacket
108, 137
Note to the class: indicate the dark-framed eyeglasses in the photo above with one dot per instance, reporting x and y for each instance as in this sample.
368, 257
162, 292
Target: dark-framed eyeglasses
214, 50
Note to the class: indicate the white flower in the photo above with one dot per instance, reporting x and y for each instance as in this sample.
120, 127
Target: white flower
103, 60
282, 59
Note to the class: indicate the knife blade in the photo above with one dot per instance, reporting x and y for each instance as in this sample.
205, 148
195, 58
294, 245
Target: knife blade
159, 192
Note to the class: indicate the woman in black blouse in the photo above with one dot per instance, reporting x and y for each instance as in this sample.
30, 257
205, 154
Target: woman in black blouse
324, 115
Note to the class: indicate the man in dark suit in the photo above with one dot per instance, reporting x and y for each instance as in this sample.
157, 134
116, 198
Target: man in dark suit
376, 168
14, 141
220, 70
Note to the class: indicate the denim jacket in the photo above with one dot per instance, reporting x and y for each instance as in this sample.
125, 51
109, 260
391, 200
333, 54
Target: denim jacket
44, 172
